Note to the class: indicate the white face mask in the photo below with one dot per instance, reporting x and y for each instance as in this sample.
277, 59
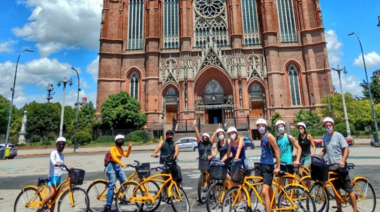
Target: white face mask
233, 136
281, 130
262, 130
221, 137
302, 131
329, 130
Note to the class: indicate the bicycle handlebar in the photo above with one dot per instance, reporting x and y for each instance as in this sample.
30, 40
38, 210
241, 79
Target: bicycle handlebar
134, 166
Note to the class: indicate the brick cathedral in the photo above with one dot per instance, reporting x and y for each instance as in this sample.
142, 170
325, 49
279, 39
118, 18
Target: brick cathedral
229, 61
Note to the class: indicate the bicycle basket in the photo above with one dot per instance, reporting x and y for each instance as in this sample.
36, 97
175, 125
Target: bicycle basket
76, 176
203, 164
218, 171
143, 170
238, 174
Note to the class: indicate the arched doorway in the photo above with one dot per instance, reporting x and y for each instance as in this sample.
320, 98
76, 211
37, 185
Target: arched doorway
170, 104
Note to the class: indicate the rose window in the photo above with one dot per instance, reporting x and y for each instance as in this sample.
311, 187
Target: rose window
209, 8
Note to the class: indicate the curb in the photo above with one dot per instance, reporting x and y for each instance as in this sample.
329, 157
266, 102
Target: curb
82, 152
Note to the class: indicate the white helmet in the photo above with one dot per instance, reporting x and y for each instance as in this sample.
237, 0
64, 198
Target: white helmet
219, 130
280, 122
301, 124
327, 119
261, 121
60, 139
119, 137
206, 134
231, 129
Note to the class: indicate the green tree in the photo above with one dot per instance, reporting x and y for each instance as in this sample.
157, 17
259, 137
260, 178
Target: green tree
122, 111
4, 114
312, 120
86, 117
275, 117
43, 118
375, 89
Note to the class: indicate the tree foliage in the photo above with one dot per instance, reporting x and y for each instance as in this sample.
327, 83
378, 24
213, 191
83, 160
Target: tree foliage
86, 117
43, 118
375, 89
312, 120
122, 111
275, 117
4, 114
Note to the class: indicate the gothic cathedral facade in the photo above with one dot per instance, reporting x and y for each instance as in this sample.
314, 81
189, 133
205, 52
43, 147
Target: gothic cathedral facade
214, 60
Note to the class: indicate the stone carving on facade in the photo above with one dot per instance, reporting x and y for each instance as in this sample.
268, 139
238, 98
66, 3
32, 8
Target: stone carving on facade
171, 71
254, 68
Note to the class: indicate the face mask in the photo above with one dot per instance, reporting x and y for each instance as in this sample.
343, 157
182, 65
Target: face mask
221, 137
329, 130
233, 136
262, 130
119, 143
60, 149
169, 139
302, 131
281, 130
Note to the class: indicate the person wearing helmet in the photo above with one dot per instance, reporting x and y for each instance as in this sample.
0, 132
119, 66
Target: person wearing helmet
114, 168
236, 149
305, 141
285, 143
268, 148
221, 145
337, 151
167, 147
204, 143
55, 172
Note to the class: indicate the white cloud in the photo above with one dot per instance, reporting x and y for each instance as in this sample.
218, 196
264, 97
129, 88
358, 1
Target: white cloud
58, 24
371, 60
350, 84
7, 46
93, 69
333, 48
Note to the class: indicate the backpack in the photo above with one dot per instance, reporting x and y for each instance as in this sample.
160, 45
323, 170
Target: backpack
318, 169
107, 159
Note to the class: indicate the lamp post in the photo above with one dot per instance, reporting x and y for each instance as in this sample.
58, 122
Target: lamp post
50, 92
64, 82
327, 90
13, 94
343, 100
76, 116
376, 134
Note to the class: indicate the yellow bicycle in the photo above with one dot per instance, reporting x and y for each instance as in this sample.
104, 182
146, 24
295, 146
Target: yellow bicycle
248, 197
97, 190
69, 197
134, 194
365, 195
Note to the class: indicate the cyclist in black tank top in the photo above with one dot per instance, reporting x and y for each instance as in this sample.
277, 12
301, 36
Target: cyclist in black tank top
305, 141
167, 147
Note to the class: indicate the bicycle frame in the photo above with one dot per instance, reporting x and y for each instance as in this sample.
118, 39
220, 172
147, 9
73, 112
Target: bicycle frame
155, 178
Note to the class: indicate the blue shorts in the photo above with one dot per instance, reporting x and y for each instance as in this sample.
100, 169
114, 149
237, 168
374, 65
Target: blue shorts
55, 181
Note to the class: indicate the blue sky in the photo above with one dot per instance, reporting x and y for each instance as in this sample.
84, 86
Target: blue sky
65, 34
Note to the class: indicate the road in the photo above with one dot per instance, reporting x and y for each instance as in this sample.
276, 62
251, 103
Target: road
25, 170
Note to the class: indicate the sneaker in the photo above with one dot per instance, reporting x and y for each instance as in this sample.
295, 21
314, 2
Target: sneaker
285, 203
242, 205
107, 209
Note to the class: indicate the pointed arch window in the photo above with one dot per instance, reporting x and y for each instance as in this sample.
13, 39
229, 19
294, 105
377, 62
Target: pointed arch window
250, 23
134, 85
294, 85
171, 29
135, 23
286, 21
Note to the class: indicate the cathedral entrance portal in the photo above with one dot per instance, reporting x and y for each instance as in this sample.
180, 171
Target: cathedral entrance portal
170, 105
215, 116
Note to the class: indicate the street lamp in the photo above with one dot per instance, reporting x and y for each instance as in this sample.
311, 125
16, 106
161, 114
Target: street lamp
327, 90
376, 134
343, 101
76, 116
63, 103
13, 94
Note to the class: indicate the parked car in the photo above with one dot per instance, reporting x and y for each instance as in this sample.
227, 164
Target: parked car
12, 150
319, 142
248, 143
187, 142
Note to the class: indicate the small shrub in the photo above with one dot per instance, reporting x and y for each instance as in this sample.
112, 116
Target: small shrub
35, 138
46, 143
52, 136
137, 136
83, 138
341, 127
105, 139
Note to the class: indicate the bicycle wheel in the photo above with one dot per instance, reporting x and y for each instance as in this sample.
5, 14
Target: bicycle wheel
179, 201
27, 195
320, 196
214, 197
300, 197
235, 201
129, 197
202, 188
74, 200
97, 193
256, 205
153, 189
365, 195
